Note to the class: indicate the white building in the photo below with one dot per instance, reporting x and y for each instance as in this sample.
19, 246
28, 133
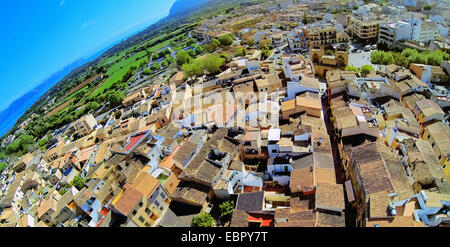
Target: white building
297, 40
392, 32
422, 31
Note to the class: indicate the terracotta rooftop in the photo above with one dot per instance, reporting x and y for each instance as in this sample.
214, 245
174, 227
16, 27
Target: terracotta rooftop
330, 197
145, 183
128, 200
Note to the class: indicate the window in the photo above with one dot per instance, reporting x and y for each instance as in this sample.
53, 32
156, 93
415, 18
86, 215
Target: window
432, 144
162, 195
440, 157
140, 204
134, 212
147, 211
161, 208
156, 203
141, 219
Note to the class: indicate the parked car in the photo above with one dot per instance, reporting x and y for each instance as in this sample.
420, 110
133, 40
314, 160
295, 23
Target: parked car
354, 50
374, 47
367, 48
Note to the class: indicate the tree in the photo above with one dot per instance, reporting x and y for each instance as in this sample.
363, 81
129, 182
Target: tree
240, 52
419, 58
212, 46
265, 54
376, 57
182, 57
39, 130
264, 44
43, 141
199, 49
409, 52
191, 53
94, 106
155, 67
226, 209
115, 98
3, 166
78, 182
400, 60
427, 7
305, 19
203, 220
388, 59
365, 70
165, 63
193, 69
226, 39
191, 42
212, 63
146, 71
352, 68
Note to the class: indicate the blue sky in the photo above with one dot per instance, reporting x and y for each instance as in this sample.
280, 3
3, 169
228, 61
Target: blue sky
41, 37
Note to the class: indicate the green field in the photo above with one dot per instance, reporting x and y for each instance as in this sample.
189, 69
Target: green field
116, 73
76, 93
118, 70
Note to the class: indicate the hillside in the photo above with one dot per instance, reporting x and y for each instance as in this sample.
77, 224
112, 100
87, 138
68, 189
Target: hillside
183, 6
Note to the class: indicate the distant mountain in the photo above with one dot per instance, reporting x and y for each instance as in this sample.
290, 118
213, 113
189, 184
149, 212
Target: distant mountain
184, 6
17, 108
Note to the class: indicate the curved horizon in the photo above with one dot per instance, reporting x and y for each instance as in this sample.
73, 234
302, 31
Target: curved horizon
28, 81
38, 84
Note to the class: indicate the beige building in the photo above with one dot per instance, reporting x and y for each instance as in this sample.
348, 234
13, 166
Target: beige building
438, 135
22, 163
365, 31
85, 125
319, 36
143, 201
427, 110
54, 153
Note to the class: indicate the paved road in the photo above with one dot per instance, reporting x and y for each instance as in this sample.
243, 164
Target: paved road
360, 58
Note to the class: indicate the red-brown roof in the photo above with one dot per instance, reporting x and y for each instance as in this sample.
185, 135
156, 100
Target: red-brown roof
130, 197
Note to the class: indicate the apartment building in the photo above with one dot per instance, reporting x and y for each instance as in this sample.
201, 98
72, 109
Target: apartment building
85, 125
319, 36
365, 31
390, 33
422, 31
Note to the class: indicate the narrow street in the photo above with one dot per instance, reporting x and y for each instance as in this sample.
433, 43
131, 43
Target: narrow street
350, 212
